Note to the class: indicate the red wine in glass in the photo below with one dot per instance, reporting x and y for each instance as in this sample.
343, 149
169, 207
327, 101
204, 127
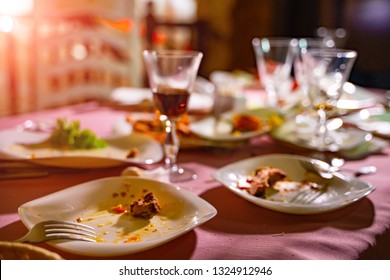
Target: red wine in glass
171, 102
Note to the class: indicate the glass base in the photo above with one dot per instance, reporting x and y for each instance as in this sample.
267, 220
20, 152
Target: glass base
179, 174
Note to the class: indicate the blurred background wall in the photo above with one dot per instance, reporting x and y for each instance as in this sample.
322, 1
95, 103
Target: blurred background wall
233, 24
82, 43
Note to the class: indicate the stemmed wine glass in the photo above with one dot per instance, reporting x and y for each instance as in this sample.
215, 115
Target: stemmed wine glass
274, 58
172, 75
304, 118
328, 70
300, 74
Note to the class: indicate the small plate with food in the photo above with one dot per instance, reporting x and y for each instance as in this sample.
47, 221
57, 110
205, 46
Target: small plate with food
354, 97
236, 126
129, 214
375, 120
69, 146
285, 183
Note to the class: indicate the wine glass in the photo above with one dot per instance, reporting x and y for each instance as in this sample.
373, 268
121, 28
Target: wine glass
172, 75
328, 70
300, 74
274, 58
304, 118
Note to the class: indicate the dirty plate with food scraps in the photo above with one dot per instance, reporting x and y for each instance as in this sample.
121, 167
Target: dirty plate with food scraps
223, 129
119, 233
354, 97
375, 120
121, 149
340, 191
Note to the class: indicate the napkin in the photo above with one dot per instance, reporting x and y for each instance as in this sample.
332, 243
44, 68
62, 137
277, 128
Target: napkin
159, 174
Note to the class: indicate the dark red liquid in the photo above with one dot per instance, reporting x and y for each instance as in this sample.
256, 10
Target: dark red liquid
171, 102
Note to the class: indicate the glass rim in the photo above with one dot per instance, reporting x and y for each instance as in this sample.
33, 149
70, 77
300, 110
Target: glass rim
330, 52
265, 42
173, 53
274, 39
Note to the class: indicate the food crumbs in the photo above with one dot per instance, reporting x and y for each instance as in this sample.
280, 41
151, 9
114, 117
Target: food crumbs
133, 153
100, 225
99, 239
133, 239
119, 209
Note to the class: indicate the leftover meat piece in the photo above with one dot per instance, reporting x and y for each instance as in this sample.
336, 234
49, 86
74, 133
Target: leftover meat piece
245, 123
145, 207
264, 178
133, 153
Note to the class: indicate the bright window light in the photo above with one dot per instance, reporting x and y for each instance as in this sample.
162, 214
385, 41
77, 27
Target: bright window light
6, 24
16, 7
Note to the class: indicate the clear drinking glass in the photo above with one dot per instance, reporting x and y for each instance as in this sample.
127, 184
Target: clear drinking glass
304, 118
274, 58
300, 74
328, 70
172, 76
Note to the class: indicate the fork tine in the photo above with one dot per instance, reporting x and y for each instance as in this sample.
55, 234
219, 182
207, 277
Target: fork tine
63, 223
306, 196
56, 230
69, 231
67, 236
69, 228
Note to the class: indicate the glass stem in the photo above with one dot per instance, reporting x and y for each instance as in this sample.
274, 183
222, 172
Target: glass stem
272, 98
171, 145
322, 130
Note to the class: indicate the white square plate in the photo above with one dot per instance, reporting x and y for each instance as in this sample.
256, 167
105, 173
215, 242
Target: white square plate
119, 234
341, 190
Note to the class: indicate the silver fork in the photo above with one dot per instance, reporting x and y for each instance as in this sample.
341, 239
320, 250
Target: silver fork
316, 168
58, 230
307, 196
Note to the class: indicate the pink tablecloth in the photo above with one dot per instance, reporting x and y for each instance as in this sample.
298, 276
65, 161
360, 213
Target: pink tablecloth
240, 230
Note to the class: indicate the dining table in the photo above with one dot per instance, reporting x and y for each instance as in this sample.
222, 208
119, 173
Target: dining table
240, 230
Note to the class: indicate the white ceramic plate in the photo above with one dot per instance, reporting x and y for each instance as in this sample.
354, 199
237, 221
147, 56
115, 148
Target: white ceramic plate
348, 137
119, 234
222, 131
341, 190
135, 96
15, 144
355, 97
375, 120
